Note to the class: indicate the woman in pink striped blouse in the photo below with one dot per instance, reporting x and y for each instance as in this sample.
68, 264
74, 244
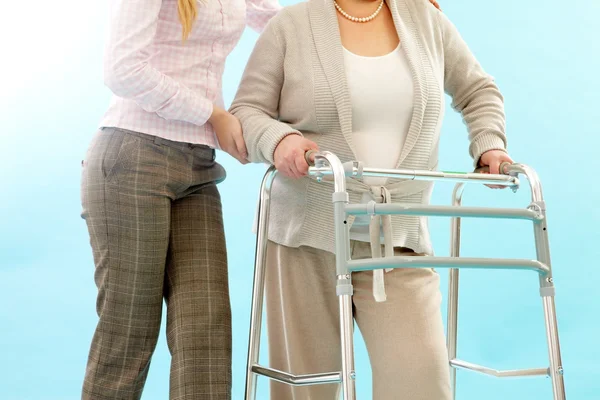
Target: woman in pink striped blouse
150, 199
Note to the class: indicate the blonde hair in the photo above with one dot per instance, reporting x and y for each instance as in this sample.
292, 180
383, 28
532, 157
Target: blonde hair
188, 11
435, 4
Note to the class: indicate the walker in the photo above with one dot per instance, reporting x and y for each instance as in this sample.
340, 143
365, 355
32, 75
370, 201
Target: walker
328, 165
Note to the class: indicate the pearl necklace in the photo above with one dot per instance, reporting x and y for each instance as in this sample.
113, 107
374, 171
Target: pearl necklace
356, 19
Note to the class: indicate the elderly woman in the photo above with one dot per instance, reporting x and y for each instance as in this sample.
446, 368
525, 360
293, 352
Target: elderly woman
364, 79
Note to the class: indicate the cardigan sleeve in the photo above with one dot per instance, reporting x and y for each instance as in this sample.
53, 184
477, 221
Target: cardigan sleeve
256, 103
474, 94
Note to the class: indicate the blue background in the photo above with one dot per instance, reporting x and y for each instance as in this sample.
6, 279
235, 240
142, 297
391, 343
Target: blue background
545, 57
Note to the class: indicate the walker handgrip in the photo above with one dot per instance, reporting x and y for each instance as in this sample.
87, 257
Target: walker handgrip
352, 169
307, 156
503, 168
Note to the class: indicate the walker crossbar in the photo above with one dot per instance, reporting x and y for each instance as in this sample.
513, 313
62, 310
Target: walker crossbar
446, 262
442, 211
297, 380
355, 170
327, 165
513, 373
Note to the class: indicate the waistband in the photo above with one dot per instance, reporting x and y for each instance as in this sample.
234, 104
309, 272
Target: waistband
184, 146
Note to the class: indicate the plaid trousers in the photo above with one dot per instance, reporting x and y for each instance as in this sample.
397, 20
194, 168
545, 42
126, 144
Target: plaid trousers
155, 222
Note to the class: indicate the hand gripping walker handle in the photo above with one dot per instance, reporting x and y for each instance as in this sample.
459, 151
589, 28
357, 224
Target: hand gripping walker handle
503, 168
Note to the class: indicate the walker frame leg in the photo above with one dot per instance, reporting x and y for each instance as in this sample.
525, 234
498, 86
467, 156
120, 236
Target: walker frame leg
259, 284
547, 292
453, 275
346, 325
344, 288
344, 291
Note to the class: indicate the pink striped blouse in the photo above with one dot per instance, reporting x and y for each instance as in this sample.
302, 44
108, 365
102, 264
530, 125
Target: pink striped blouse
166, 87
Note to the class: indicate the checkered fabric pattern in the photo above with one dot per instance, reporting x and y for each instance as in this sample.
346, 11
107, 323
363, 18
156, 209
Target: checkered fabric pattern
162, 85
154, 217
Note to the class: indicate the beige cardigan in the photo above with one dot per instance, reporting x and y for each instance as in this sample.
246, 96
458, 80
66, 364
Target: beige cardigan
294, 83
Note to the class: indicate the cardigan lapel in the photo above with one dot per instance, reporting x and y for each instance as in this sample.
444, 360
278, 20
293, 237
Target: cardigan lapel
413, 51
328, 43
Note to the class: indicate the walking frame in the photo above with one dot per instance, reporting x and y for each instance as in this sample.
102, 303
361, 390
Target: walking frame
327, 165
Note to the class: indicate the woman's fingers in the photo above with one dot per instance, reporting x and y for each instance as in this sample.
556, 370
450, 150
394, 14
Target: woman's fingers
240, 146
494, 166
301, 164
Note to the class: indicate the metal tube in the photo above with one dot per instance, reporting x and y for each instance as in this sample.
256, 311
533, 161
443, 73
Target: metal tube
442, 211
452, 323
532, 178
347, 341
547, 292
259, 282
497, 373
297, 380
344, 286
556, 369
546, 282
410, 174
446, 262
336, 169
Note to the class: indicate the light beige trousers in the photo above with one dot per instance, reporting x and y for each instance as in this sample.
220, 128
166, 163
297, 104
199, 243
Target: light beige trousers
404, 335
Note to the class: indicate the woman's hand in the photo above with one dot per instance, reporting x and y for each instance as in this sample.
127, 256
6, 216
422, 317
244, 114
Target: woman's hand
229, 134
492, 159
289, 155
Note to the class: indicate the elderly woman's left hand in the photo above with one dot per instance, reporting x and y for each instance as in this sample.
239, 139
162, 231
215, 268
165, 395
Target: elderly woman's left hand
492, 159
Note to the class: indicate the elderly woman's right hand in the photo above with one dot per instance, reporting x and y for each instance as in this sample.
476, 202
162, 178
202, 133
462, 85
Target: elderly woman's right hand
289, 155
